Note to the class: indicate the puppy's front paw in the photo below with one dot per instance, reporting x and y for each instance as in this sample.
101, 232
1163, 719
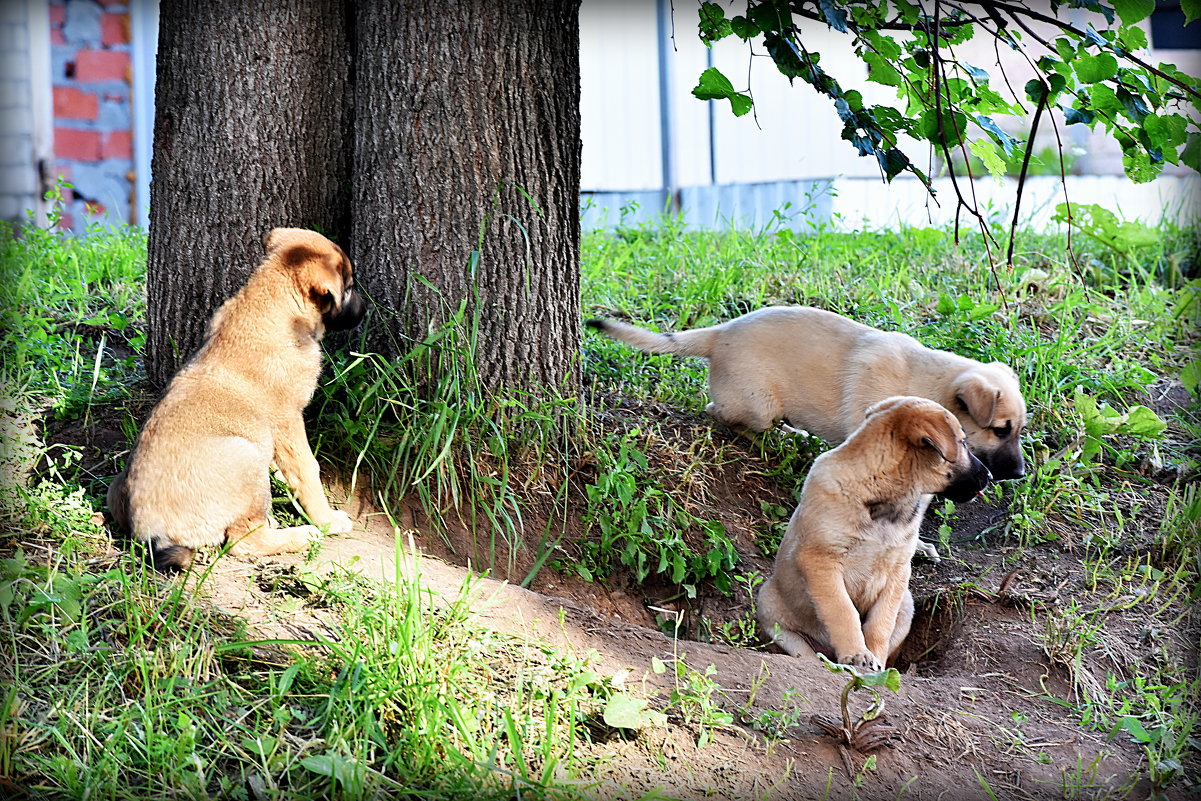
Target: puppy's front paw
338, 523
928, 550
864, 662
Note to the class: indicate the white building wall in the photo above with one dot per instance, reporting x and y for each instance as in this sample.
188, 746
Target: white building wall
24, 106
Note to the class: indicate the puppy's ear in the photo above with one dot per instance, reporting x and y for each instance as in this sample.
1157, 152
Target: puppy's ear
276, 238
978, 396
318, 271
934, 430
885, 405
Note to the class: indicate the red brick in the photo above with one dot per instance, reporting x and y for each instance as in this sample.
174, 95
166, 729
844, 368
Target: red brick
58, 15
56, 36
114, 29
71, 143
107, 3
102, 65
66, 222
72, 104
118, 145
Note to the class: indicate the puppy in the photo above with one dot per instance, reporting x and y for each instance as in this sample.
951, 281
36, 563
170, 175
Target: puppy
841, 579
819, 371
198, 474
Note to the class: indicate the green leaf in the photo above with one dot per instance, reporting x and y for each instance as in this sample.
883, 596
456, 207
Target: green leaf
1104, 100
1075, 115
1191, 155
892, 161
1140, 168
987, 152
333, 766
1094, 69
1135, 729
1131, 11
1066, 49
880, 70
625, 712
982, 310
1144, 423
1006, 141
946, 304
713, 24
1190, 376
1191, 9
1132, 38
1167, 131
836, 17
743, 28
713, 85
889, 678
740, 104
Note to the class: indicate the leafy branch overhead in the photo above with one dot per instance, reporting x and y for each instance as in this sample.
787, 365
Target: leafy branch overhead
1090, 66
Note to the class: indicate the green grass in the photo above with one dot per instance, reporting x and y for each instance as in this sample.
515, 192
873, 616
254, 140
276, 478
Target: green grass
121, 685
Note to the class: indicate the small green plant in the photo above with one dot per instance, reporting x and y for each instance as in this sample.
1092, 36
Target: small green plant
868, 730
744, 631
692, 697
642, 527
774, 723
1101, 420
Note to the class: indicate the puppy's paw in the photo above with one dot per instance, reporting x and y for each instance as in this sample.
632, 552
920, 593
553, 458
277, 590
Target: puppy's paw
864, 662
338, 523
928, 550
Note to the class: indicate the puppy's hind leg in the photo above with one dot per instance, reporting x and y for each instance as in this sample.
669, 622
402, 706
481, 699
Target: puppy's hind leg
793, 644
257, 538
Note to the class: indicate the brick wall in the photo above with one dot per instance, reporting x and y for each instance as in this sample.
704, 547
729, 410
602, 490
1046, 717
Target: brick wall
91, 75
18, 173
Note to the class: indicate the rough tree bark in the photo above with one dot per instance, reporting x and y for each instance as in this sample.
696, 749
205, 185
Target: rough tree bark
252, 131
467, 120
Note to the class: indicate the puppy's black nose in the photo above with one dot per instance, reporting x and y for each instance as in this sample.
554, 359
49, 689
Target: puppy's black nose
349, 314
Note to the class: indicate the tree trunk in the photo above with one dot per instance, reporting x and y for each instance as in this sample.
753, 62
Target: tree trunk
252, 131
467, 127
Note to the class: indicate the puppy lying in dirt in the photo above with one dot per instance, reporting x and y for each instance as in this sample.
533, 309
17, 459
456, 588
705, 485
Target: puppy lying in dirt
841, 579
199, 472
819, 371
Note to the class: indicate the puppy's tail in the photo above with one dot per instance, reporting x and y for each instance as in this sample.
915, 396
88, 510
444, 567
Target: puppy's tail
166, 556
697, 342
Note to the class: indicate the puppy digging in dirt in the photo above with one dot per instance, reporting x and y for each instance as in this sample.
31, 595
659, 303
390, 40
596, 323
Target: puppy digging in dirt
199, 473
819, 371
841, 579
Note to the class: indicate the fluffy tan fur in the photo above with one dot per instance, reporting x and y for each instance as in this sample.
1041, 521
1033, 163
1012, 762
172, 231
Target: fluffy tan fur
198, 474
841, 579
820, 371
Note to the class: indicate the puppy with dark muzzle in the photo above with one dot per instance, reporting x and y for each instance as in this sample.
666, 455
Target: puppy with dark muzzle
841, 579
199, 473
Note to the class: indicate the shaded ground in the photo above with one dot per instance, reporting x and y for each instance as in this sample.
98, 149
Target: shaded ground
984, 706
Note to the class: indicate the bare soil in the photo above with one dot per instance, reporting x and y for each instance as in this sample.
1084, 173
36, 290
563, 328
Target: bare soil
985, 703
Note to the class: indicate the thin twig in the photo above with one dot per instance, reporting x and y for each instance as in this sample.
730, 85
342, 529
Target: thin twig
1044, 93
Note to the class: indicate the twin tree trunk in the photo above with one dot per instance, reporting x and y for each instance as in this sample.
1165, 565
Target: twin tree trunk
412, 134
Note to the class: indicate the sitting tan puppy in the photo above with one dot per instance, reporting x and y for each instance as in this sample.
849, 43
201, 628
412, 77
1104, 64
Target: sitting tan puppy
841, 580
199, 474
819, 371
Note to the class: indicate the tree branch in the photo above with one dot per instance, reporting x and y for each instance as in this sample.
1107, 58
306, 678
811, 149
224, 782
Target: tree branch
1044, 93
